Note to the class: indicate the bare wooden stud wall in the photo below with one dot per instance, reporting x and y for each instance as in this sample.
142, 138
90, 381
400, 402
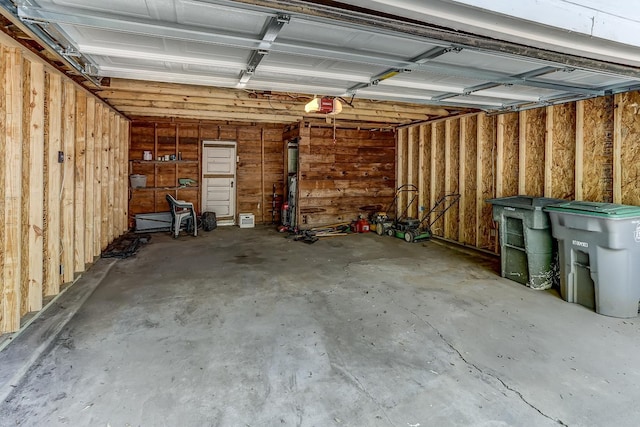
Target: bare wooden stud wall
89, 171
586, 150
97, 182
106, 172
12, 153
45, 185
80, 181
68, 167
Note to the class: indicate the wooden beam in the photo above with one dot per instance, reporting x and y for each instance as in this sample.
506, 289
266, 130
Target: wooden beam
286, 108
447, 173
411, 163
462, 182
53, 114
401, 150
522, 154
210, 115
422, 169
617, 148
68, 187
97, 181
262, 190
80, 180
117, 179
90, 168
579, 167
432, 184
35, 177
125, 137
12, 157
113, 131
500, 156
479, 173
181, 90
104, 181
548, 154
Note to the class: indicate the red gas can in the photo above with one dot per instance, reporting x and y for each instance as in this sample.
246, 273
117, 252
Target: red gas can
362, 226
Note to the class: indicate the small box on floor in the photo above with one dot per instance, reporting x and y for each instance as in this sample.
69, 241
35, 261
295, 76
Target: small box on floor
246, 220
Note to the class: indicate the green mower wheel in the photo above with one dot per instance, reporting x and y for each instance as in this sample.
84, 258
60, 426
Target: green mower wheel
408, 236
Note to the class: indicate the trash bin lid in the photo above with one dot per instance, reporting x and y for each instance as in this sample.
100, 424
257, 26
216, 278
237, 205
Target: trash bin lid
606, 210
525, 202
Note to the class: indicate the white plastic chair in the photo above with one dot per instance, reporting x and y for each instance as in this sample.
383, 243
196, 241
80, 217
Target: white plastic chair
180, 211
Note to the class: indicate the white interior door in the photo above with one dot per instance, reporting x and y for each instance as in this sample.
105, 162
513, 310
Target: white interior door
219, 180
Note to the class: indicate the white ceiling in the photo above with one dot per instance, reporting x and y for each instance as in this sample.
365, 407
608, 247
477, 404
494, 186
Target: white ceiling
273, 45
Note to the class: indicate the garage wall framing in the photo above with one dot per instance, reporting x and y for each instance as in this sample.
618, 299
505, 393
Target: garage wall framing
47, 177
585, 150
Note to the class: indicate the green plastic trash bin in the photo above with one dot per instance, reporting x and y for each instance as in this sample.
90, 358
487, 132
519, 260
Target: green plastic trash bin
599, 247
526, 245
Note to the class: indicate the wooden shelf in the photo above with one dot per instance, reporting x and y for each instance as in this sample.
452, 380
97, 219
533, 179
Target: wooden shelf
167, 188
159, 162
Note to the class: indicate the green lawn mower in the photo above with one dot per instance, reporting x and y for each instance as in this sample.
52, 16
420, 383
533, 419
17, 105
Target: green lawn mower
408, 228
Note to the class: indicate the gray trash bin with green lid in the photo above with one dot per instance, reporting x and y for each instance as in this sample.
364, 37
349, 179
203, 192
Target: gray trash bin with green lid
599, 247
526, 246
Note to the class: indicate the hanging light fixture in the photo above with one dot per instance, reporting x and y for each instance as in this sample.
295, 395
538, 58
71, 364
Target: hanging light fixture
323, 105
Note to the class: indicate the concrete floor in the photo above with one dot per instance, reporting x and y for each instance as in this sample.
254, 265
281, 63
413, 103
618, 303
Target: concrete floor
246, 328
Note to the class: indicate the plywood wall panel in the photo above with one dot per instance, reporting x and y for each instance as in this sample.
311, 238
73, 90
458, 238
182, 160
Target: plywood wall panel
452, 172
564, 151
561, 151
438, 174
424, 166
487, 146
629, 111
413, 144
471, 183
510, 160
598, 150
535, 145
